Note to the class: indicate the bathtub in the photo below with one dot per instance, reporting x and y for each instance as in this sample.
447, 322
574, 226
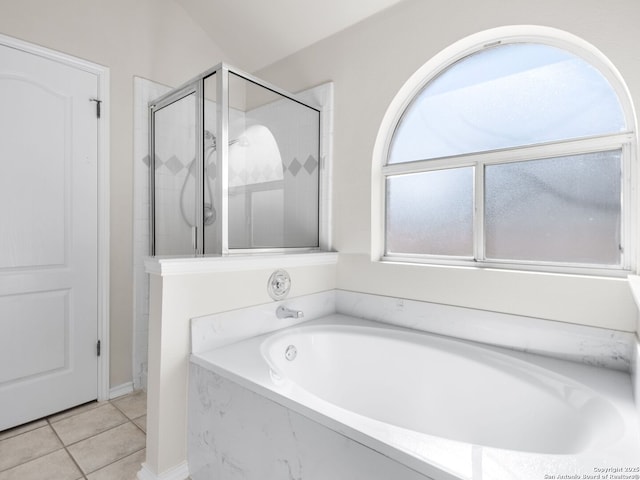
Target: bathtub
406, 405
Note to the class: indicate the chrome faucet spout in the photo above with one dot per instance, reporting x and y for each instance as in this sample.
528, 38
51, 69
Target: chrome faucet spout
285, 312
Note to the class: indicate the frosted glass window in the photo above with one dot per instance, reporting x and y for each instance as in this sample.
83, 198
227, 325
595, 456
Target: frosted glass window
431, 212
507, 96
515, 156
565, 209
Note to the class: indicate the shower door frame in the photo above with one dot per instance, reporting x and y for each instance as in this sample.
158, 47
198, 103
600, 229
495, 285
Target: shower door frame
170, 98
196, 86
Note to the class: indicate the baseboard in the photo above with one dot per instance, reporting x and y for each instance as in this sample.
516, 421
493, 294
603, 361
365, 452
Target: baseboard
179, 472
120, 390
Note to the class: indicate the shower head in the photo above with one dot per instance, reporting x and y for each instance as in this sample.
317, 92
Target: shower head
211, 141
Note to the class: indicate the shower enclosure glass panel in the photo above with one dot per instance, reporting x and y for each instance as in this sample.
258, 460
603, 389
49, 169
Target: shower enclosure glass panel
236, 168
272, 170
174, 177
213, 204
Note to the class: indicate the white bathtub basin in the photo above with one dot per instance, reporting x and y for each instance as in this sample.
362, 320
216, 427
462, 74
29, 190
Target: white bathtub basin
446, 388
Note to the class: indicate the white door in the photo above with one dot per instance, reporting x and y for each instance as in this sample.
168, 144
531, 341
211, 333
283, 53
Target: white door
48, 236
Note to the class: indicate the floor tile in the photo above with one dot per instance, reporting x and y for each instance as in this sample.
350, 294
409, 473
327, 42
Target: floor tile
75, 411
107, 447
133, 405
12, 432
124, 469
141, 422
57, 465
88, 423
27, 446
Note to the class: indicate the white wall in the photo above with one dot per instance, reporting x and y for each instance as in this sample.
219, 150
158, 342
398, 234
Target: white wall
148, 38
369, 63
177, 297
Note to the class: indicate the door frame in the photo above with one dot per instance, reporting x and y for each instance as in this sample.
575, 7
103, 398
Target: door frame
102, 75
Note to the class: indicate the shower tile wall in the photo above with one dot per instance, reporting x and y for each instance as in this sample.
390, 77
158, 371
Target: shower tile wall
322, 96
144, 92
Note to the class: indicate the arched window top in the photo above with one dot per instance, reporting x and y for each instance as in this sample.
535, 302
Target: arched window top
505, 96
512, 148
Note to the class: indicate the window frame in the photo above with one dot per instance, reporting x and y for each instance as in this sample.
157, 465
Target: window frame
625, 141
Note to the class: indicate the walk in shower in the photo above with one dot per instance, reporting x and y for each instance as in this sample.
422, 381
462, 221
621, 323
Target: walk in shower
235, 167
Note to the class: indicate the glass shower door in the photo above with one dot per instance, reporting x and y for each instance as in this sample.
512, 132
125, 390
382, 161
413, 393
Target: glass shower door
174, 178
236, 168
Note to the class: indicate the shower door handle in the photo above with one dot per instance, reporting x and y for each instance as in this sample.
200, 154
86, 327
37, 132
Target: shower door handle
194, 239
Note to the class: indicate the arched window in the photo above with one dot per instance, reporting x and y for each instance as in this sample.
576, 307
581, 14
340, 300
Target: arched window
516, 154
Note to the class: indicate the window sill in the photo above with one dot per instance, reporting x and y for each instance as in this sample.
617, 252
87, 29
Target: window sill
582, 271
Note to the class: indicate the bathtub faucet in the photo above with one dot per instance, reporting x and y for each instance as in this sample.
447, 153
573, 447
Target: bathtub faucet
284, 312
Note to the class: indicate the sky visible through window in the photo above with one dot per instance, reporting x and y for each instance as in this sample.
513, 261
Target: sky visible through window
503, 97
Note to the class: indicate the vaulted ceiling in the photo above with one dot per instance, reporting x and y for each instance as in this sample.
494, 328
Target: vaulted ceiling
257, 33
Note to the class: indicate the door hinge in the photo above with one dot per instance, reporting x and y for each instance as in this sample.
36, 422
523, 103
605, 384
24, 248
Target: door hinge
98, 104
98, 348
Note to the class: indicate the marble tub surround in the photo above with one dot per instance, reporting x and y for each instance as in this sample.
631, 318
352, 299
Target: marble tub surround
213, 331
590, 345
242, 416
634, 285
219, 383
236, 435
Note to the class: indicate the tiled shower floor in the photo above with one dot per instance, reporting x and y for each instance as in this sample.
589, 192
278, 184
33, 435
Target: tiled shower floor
96, 441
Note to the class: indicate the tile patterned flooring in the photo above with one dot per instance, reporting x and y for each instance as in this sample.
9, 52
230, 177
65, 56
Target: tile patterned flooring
96, 441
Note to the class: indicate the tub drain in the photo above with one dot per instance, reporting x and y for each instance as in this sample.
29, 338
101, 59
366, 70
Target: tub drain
291, 352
